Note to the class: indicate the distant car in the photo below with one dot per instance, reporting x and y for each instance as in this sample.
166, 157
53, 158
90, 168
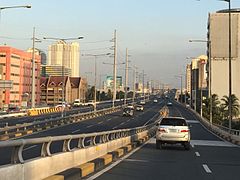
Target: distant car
173, 130
139, 108
77, 103
142, 102
131, 106
169, 104
65, 105
155, 100
12, 109
187, 106
128, 112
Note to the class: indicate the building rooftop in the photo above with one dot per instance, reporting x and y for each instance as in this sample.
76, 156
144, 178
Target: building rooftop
237, 10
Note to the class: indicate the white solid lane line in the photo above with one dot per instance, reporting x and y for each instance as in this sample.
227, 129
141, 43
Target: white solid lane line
206, 168
212, 143
114, 164
109, 119
197, 154
100, 122
90, 126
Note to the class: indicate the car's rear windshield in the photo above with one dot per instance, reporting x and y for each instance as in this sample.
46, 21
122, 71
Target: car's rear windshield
173, 122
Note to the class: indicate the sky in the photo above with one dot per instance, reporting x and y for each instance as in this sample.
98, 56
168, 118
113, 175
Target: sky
155, 32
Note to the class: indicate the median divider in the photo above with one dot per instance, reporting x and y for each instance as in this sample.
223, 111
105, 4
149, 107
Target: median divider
29, 128
44, 110
98, 164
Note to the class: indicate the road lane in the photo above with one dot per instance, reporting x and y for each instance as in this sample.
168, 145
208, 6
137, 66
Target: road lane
98, 124
209, 158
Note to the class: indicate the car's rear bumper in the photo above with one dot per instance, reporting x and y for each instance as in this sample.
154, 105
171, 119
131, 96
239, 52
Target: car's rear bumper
173, 139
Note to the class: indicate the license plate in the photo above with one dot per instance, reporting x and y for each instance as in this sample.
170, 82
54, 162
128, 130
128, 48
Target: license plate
173, 130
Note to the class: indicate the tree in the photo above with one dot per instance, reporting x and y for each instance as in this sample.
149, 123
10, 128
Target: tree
120, 95
91, 93
216, 108
235, 105
109, 94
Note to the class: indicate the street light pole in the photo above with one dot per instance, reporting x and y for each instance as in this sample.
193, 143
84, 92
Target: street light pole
134, 83
230, 65
209, 43
33, 71
126, 78
63, 40
114, 68
95, 75
12, 7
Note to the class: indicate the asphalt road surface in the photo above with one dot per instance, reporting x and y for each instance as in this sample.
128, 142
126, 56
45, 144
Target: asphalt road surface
104, 123
210, 158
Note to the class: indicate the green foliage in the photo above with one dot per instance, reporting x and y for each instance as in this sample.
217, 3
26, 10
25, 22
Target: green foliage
220, 110
235, 105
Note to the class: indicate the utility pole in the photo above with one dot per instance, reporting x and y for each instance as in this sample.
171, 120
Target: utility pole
114, 68
143, 86
95, 84
33, 70
181, 90
126, 78
134, 83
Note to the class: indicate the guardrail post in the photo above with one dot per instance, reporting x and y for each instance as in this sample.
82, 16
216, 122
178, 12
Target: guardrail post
66, 144
45, 151
81, 142
17, 155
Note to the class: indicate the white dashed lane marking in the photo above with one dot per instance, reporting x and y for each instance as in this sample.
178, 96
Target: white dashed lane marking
193, 121
206, 168
212, 143
197, 154
76, 131
90, 126
30, 147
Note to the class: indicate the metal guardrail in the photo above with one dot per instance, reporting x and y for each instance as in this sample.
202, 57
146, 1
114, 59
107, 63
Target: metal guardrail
13, 115
83, 141
230, 131
23, 129
232, 135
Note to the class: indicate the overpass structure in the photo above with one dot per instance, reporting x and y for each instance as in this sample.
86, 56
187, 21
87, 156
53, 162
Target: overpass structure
60, 150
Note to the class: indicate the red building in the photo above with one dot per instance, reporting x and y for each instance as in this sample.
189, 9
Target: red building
16, 65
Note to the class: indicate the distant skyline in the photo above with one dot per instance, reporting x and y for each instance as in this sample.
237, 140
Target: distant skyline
155, 32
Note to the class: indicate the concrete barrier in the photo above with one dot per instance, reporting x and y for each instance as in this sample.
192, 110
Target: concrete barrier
97, 164
235, 139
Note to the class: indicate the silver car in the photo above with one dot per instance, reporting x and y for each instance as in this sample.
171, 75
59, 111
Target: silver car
173, 130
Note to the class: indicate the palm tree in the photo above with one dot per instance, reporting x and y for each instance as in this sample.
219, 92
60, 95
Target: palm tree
235, 105
215, 108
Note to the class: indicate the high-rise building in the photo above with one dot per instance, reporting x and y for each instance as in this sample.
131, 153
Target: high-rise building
16, 65
198, 81
218, 34
55, 70
66, 54
188, 78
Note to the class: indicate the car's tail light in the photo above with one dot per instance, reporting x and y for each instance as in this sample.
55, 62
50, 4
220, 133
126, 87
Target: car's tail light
162, 130
184, 130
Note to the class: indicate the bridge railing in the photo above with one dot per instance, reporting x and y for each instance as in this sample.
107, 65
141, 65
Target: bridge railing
76, 150
232, 135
